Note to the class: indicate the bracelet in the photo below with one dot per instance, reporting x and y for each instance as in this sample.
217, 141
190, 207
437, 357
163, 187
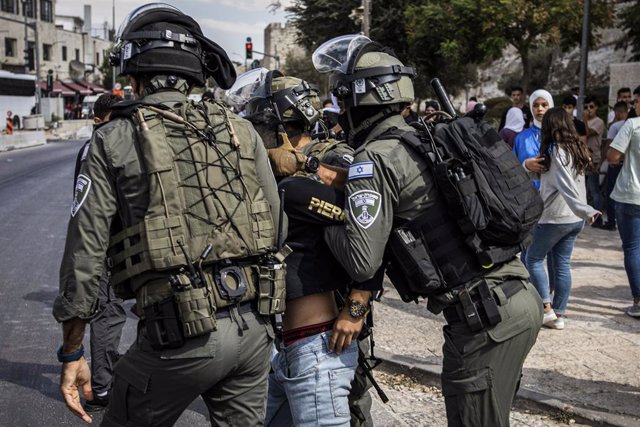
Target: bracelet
70, 357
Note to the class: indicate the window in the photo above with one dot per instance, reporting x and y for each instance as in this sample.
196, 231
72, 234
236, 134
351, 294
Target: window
10, 47
77, 54
46, 11
64, 53
8, 6
46, 52
29, 8
31, 57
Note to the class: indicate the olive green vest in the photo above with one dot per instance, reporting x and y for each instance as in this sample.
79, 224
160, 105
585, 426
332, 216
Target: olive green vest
203, 189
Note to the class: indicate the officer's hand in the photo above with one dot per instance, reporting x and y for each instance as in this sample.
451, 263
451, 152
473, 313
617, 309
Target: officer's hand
76, 374
534, 164
345, 330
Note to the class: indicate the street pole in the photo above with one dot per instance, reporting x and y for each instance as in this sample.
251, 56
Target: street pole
366, 17
26, 38
113, 40
584, 56
38, 88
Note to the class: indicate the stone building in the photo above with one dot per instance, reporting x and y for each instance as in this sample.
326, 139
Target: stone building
280, 39
65, 45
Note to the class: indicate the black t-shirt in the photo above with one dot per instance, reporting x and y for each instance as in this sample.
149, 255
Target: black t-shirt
310, 206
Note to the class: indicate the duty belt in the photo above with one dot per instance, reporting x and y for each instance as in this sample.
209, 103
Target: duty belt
477, 307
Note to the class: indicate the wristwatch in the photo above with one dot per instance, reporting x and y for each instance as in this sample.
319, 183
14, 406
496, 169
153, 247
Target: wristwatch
312, 164
357, 310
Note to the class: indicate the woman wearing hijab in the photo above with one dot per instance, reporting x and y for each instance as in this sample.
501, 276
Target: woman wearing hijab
527, 144
562, 188
513, 125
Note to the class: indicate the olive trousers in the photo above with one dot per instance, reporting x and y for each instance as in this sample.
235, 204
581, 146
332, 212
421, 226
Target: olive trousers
481, 370
228, 368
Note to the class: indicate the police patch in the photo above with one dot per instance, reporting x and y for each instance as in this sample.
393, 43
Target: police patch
80, 193
364, 206
361, 170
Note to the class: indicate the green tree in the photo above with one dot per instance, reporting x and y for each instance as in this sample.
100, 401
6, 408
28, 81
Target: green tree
302, 67
630, 21
460, 32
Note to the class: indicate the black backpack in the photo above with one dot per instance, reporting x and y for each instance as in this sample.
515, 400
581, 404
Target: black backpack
485, 188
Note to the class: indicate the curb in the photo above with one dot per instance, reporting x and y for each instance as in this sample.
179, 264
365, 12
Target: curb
429, 373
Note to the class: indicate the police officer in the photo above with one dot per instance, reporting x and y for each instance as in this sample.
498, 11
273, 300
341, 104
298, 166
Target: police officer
389, 184
285, 110
181, 197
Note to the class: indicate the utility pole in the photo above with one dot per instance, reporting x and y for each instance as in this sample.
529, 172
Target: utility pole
113, 41
366, 17
26, 37
37, 53
584, 55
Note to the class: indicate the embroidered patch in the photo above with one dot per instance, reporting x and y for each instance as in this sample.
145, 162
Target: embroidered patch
359, 86
81, 191
364, 206
348, 158
361, 170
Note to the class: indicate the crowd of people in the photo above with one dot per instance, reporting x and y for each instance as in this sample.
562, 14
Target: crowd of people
254, 246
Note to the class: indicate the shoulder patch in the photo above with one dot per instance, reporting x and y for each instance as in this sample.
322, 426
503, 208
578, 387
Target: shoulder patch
83, 184
364, 206
361, 170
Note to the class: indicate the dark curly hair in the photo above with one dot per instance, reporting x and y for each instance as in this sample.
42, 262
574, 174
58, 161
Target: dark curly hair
558, 129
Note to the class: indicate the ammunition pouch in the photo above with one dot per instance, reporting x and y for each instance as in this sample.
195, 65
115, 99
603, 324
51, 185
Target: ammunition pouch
196, 311
478, 303
272, 286
163, 324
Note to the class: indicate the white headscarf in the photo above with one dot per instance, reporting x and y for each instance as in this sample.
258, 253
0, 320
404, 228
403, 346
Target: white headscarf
515, 119
540, 93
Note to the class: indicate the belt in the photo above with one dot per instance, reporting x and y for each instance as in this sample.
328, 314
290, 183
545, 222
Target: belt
483, 306
245, 307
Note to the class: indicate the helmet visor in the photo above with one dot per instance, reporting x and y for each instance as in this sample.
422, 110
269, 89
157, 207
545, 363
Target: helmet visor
246, 87
334, 54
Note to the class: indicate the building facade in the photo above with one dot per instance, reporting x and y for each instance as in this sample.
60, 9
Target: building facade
280, 40
63, 44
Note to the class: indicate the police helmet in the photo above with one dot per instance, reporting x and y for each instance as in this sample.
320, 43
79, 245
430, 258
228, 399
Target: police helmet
271, 98
158, 38
364, 73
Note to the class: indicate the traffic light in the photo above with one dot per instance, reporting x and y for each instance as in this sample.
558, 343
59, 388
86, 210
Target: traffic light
248, 46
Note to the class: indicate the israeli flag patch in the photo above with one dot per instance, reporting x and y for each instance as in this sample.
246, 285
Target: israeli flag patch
361, 170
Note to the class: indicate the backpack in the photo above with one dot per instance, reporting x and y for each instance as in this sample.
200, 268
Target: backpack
485, 188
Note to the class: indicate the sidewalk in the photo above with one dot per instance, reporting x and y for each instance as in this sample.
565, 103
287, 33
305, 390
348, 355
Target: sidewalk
591, 368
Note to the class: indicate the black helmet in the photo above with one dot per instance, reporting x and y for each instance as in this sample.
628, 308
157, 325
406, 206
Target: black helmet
158, 38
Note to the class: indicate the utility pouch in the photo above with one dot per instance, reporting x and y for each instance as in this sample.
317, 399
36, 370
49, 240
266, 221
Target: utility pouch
458, 186
471, 315
272, 285
163, 324
489, 304
414, 260
196, 308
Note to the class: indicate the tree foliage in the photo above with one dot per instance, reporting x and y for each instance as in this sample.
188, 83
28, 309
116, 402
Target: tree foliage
630, 22
451, 38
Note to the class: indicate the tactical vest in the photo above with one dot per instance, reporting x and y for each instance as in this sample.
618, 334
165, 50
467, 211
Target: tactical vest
203, 193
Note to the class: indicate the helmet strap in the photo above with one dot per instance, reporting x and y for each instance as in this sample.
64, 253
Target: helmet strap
357, 134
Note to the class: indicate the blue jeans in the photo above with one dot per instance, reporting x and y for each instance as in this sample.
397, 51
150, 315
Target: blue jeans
593, 186
310, 386
557, 240
628, 219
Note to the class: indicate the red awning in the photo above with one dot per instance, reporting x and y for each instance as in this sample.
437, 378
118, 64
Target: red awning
58, 89
94, 87
77, 88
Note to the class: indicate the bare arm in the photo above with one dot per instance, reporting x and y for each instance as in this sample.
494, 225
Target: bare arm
614, 156
75, 375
